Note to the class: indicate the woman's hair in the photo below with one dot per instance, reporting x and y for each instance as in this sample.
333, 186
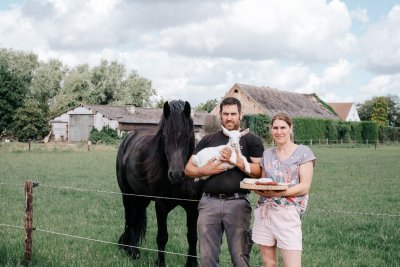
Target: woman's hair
283, 117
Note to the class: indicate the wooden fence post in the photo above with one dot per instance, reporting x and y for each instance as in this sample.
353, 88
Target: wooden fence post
28, 222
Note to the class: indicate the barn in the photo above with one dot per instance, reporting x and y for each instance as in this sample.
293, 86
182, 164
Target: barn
75, 124
265, 100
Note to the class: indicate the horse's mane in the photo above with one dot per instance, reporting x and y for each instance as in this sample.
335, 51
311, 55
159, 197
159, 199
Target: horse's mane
175, 129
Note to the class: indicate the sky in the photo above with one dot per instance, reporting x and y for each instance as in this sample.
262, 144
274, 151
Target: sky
344, 51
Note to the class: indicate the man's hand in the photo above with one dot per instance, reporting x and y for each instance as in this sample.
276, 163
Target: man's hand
213, 166
225, 155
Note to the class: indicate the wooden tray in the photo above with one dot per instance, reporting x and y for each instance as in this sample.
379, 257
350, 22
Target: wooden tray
263, 187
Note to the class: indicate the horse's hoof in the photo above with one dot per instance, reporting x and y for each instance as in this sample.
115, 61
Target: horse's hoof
134, 254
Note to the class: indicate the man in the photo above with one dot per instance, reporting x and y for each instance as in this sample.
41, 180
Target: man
224, 206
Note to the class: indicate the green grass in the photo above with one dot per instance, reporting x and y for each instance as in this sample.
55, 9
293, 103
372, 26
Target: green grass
349, 183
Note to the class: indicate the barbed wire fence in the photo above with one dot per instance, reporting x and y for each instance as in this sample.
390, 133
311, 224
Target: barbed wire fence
27, 261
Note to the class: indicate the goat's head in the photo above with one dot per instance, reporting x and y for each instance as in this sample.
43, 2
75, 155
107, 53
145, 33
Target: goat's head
234, 136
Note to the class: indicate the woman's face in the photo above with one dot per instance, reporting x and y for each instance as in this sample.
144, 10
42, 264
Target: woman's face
281, 132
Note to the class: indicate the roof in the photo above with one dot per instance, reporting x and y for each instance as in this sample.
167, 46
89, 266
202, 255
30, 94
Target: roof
131, 114
273, 101
342, 109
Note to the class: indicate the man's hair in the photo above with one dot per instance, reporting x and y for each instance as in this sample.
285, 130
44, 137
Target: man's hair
228, 101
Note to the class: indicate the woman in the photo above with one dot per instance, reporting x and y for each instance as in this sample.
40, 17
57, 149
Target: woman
277, 221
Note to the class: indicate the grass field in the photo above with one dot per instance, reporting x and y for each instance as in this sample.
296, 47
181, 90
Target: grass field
348, 222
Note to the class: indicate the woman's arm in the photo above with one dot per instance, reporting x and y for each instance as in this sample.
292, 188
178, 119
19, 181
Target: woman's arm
305, 172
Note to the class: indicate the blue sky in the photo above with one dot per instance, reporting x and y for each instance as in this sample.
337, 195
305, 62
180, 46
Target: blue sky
344, 51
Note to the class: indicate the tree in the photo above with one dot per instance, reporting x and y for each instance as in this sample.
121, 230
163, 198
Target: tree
393, 105
393, 102
207, 106
379, 112
46, 83
112, 85
364, 110
30, 123
16, 72
76, 88
106, 80
137, 91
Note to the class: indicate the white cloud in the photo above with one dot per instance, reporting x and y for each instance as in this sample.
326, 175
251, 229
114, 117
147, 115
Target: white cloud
263, 29
336, 74
382, 85
360, 14
382, 44
17, 32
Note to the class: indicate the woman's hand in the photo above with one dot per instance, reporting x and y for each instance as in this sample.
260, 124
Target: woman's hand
270, 193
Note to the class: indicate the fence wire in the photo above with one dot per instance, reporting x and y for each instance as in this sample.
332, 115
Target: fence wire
155, 197
185, 199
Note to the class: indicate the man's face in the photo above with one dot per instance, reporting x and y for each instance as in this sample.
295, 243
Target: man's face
230, 117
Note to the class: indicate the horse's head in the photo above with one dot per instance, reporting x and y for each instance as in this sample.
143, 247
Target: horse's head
234, 136
178, 138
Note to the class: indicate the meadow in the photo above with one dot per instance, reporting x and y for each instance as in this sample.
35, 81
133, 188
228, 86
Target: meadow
352, 219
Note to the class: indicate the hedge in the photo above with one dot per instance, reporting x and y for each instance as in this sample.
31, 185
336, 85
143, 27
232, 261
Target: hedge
307, 129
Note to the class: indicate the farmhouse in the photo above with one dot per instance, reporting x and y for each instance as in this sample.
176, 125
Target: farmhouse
270, 101
346, 111
75, 124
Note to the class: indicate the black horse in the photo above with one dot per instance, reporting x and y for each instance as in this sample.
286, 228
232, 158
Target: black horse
152, 164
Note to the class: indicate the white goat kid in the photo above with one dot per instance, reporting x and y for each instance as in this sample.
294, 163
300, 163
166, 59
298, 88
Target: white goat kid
204, 155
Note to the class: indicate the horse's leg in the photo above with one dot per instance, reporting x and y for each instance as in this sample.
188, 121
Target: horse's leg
192, 214
135, 224
163, 207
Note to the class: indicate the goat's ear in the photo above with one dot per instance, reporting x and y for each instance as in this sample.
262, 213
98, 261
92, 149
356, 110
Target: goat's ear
225, 131
244, 132
187, 110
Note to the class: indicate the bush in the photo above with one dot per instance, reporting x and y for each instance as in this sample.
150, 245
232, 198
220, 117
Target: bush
107, 135
357, 132
307, 128
369, 131
30, 123
344, 131
259, 124
331, 131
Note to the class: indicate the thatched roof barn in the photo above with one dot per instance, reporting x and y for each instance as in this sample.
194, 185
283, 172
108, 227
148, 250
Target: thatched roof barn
265, 100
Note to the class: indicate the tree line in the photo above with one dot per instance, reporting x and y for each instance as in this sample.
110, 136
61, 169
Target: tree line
33, 91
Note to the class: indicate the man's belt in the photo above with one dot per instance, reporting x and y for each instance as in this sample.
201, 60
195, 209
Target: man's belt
225, 196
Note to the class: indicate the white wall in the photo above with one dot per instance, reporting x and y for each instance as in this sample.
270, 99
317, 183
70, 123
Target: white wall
353, 114
60, 124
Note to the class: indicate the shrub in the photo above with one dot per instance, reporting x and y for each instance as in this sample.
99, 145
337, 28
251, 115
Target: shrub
259, 124
344, 131
106, 135
307, 128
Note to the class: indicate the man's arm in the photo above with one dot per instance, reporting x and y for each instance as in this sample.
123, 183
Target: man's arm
212, 167
255, 168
